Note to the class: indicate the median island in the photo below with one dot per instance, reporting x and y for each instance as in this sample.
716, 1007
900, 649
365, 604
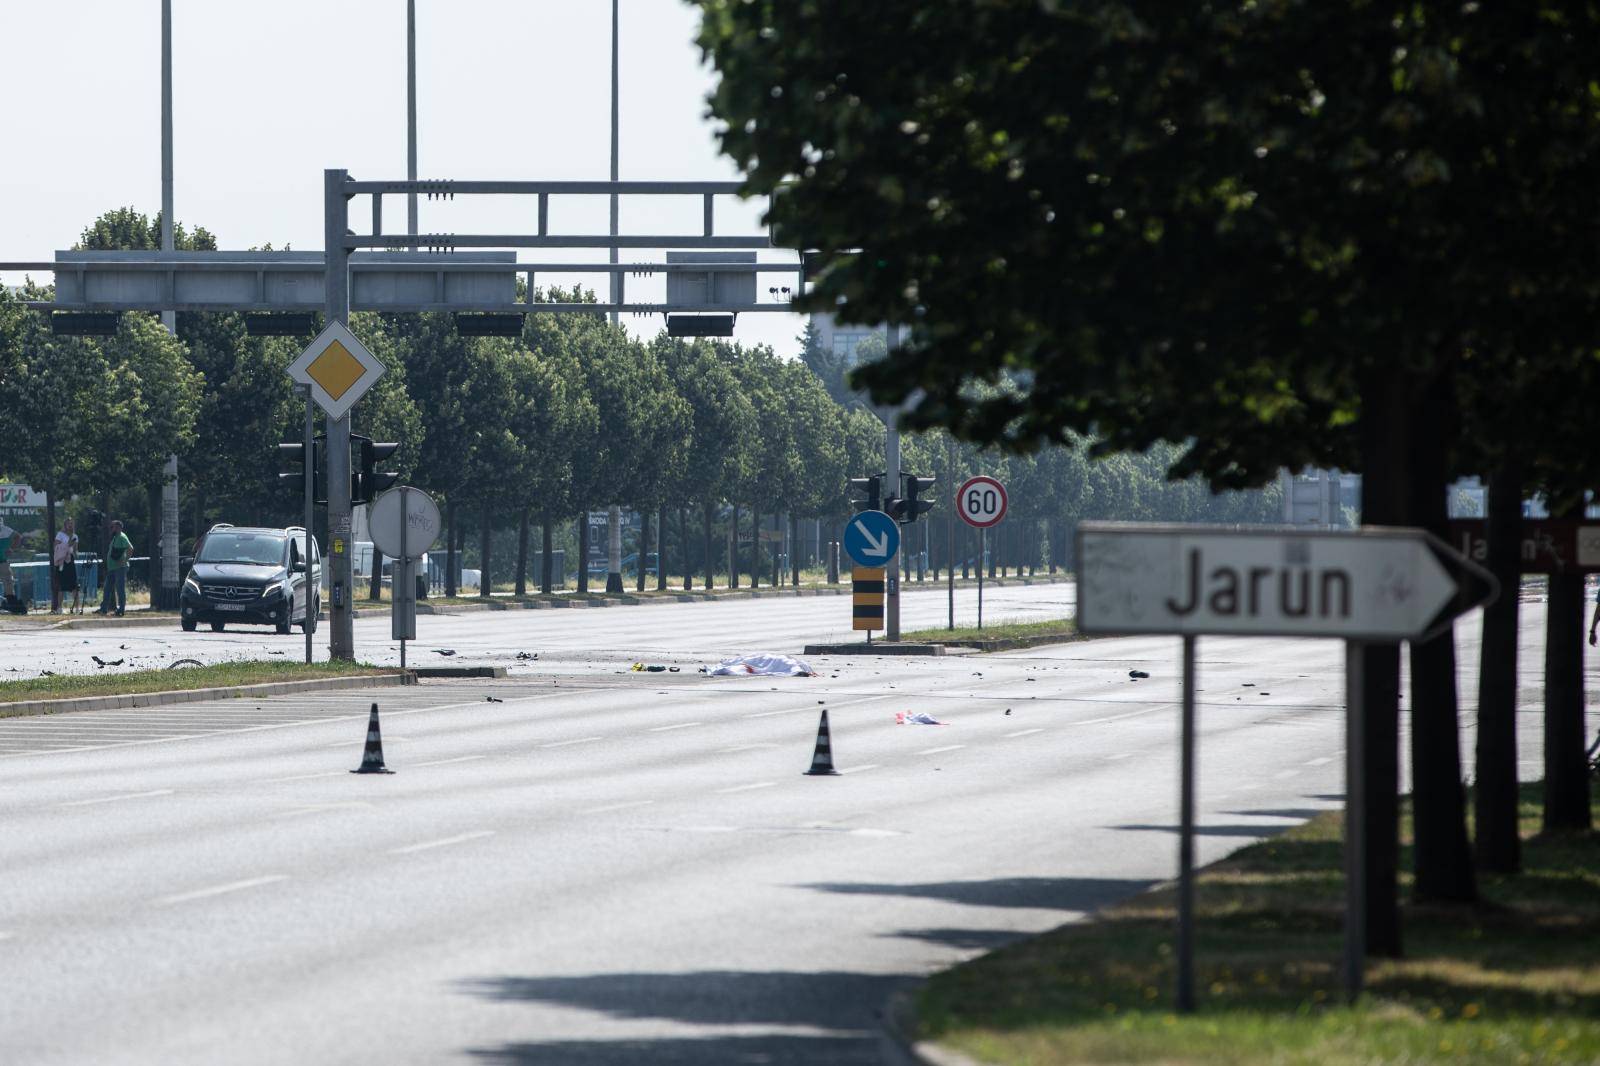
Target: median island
1515, 979
180, 679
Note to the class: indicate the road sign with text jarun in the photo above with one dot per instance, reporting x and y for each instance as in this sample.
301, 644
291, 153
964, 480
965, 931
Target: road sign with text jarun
1378, 584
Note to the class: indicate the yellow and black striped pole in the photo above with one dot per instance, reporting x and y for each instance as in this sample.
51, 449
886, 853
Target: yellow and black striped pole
866, 598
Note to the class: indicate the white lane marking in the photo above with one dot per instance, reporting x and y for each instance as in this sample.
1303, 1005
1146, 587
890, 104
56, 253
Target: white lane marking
1323, 761
122, 796
947, 747
302, 777
446, 842
1284, 775
446, 762
859, 769
1023, 733
680, 725
743, 747
219, 890
746, 788
7, 936
769, 714
1119, 755
568, 743
616, 807
321, 808
1119, 717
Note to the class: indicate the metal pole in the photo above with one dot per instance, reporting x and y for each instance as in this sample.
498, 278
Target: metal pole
616, 25
313, 583
983, 555
402, 571
165, 587
1185, 951
411, 120
950, 526
891, 600
336, 306
1355, 820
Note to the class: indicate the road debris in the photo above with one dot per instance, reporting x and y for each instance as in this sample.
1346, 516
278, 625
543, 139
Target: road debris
1137, 674
764, 665
184, 662
916, 718
444, 651
106, 662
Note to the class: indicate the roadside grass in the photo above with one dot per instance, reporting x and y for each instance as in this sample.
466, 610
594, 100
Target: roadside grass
220, 675
1514, 980
1065, 628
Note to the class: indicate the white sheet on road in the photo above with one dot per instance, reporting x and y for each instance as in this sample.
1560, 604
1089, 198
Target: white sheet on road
765, 665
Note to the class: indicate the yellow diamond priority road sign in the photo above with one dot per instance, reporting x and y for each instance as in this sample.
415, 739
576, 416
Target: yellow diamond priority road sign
338, 368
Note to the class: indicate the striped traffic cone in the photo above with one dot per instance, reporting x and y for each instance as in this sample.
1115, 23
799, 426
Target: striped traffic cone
372, 756
822, 758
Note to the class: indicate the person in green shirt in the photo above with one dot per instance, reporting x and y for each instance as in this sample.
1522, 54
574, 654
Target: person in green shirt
116, 571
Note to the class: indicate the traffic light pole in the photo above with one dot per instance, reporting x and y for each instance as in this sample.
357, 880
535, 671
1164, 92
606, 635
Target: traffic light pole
313, 586
891, 478
336, 306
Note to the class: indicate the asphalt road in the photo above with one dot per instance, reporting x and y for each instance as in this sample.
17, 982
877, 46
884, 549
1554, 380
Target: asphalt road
613, 867
601, 637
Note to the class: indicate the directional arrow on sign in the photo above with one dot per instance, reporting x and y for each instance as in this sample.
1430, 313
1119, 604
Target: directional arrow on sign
1375, 584
877, 544
872, 538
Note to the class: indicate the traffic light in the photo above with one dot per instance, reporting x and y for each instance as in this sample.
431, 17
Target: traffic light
908, 509
365, 481
871, 489
295, 455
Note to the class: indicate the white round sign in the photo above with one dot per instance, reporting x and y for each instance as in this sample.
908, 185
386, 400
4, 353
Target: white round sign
408, 508
981, 501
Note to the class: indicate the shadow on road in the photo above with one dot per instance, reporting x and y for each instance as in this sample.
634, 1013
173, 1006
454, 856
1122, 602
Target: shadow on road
962, 939
690, 1051
1044, 893
843, 1006
1210, 830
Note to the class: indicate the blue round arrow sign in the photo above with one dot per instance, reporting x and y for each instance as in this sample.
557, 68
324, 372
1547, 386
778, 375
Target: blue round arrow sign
872, 538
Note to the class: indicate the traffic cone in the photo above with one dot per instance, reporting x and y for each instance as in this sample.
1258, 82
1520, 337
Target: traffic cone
372, 756
822, 758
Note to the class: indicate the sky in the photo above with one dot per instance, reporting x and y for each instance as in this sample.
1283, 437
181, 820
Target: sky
268, 95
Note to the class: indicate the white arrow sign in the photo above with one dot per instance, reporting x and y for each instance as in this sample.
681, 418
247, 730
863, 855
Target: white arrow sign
1373, 584
876, 545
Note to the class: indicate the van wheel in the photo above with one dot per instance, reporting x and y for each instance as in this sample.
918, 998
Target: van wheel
217, 627
188, 625
283, 624
305, 623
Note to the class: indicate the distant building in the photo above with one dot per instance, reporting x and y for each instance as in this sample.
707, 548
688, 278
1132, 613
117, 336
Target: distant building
842, 339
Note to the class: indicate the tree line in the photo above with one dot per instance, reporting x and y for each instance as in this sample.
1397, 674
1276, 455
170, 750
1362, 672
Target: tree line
707, 439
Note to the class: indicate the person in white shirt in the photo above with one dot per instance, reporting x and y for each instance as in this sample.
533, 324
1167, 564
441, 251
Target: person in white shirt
65, 562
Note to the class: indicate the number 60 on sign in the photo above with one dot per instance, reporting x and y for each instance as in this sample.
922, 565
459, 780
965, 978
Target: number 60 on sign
981, 501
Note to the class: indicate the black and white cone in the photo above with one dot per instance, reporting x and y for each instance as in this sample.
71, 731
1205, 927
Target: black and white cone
822, 758
372, 755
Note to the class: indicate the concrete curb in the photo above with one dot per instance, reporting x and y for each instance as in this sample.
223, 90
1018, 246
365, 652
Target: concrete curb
881, 647
195, 695
902, 1047
458, 671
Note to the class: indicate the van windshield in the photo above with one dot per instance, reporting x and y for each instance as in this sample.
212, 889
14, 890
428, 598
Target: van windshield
257, 549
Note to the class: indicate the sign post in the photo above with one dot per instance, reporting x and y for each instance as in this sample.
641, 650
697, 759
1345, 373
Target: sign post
404, 523
872, 540
981, 502
1372, 585
338, 370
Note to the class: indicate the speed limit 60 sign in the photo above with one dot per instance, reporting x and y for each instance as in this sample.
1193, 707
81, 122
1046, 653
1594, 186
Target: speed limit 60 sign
981, 502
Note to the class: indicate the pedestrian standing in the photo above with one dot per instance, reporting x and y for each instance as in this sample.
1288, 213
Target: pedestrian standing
9, 538
65, 561
117, 556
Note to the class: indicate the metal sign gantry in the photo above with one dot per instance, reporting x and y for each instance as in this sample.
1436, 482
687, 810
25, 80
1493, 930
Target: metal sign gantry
708, 275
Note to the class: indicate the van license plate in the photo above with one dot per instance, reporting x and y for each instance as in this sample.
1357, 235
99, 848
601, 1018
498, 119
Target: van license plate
230, 606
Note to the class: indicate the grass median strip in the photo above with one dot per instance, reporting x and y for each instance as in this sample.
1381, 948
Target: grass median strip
1063, 629
1514, 980
219, 675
